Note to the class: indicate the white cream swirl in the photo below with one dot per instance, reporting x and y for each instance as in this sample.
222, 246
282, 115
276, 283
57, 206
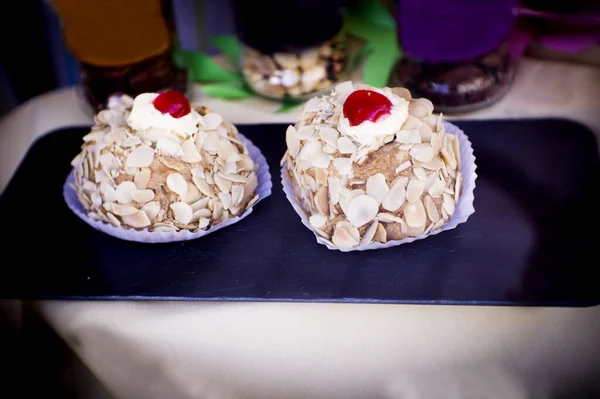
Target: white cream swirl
368, 132
151, 124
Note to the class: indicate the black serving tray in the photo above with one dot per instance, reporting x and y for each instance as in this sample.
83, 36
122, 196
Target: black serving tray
533, 239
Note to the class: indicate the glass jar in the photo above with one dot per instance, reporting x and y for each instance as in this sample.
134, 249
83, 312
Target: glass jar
282, 57
121, 47
456, 52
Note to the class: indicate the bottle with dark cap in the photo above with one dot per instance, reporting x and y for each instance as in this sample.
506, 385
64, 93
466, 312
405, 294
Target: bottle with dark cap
291, 49
455, 52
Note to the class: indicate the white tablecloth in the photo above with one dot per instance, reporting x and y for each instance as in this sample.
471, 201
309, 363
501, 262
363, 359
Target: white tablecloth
285, 350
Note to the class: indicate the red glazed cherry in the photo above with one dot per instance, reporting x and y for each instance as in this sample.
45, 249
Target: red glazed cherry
366, 105
173, 103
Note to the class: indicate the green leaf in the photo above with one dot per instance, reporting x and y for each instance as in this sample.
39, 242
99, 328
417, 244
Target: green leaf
202, 68
288, 104
230, 46
372, 12
227, 91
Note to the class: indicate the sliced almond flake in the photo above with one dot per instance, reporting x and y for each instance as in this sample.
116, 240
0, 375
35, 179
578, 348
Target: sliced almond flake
431, 178
414, 214
403, 166
86, 168
362, 209
198, 172
356, 182
321, 176
426, 133
217, 212
151, 209
182, 212
343, 165
329, 135
388, 218
113, 219
211, 142
419, 173
456, 152
408, 137
434, 164
448, 159
123, 192
344, 88
369, 233
166, 146
306, 132
345, 145
318, 220
200, 204
203, 223
203, 186
457, 186
109, 161
343, 237
107, 191
142, 196
224, 185
252, 201
211, 121
396, 196
380, 234
77, 160
250, 186
123, 210
322, 201
85, 201
191, 195
166, 227
225, 200
321, 233
96, 199
138, 220
437, 189
237, 194
190, 152
414, 190
421, 108
231, 168
97, 135
436, 143
444, 170
422, 152
329, 149
177, 183
445, 216
377, 187
412, 123
293, 144
227, 150
100, 176
310, 182
209, 178
449, 204
142, 178
334, 189
94, 216
451, 173
233, 178
140, 157
431, 208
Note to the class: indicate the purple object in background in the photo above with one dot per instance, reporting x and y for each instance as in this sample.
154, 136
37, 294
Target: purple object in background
451, 30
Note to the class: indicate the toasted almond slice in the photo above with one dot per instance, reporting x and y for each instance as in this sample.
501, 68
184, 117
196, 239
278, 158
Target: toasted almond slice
142, 196
223, 184
250, 186
306, 132
414, 214
426, 133
420, 108
217, 211
237, 194
321, 176
403, 166
211, 142
318, 220
172, 164
320, 159
200, 204
343, 237
203, 186
335, 188
191, 195
225, 200
412, 123
414, 190
457, 186
322, 201
419, 173
137, 220
141, 157
408, 137
108, 191
177, 183
422, 152
329, 135
203, 223
113, 219
234, 178
429, 180
437, 189
190, 152
166, 146
448, 158
449, 204
396, 196
369, 233
380, 234
362, 209
431, 208
388, 218
123, 192
436, 143
456, 151
182, 212
211, 121
142, 178
343, 165
123, 210
434, 164
345, 145
377, 187
151, 209
228, 151
293, 144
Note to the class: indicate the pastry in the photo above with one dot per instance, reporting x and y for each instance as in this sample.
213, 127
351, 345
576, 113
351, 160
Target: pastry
372, 165
158, 163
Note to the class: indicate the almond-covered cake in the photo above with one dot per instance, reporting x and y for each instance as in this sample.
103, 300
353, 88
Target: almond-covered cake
372, 164
160, 164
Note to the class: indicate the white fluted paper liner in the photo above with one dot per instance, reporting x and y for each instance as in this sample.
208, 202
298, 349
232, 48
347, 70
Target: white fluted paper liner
263, 191
464, 207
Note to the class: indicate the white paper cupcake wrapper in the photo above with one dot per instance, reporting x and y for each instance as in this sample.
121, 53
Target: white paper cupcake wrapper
464, 207
263, 191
